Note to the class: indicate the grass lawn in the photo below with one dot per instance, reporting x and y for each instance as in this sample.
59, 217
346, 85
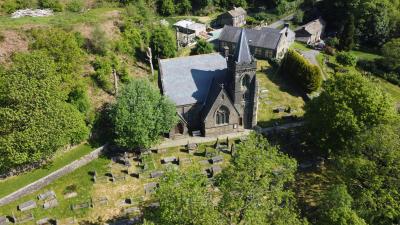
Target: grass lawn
93, 16
390, 88
365, 55
116, 192
300, 46
61, 159
275, 92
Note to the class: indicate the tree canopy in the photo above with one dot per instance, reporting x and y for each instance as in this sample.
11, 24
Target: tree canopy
348, 105
141, 114
202, 47
35, 119
163, 42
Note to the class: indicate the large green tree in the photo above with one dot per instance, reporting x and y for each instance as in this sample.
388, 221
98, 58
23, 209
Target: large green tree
141, 114
254, 186
35, 119
337, 209
163, 42
348, 105
185, 198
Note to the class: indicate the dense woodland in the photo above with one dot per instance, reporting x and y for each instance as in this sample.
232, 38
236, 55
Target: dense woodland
46, 106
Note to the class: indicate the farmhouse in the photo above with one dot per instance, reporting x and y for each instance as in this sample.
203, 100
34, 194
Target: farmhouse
187, 31
311, 32
235, 17
214, 94
264, 43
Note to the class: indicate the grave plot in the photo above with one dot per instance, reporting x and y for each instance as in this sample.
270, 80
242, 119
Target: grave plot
46, 195
217, 159
51, 203
171, 159
27, 206
100, 201
46, 221
83, 205
67, 221
156, 174
23, 218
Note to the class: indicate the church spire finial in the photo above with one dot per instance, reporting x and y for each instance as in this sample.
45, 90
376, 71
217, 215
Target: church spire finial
242, 51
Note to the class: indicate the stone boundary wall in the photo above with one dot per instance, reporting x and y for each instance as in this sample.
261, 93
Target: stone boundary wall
44, 181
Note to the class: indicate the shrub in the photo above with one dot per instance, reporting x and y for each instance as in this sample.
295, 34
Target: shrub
298, 16
252, 21
10, 6
75, 6
332, 42
51, 4
329, 50
308, 76
99, 42
103, 68
346, 59
202, 47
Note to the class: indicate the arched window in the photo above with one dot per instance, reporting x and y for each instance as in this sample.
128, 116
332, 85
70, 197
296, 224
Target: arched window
245, 82
222, 116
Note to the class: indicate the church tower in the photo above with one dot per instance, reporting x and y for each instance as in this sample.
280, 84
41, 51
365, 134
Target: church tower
242, 67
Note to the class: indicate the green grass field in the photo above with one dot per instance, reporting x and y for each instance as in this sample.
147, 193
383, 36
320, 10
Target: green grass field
61, 159
275, 92
93, 16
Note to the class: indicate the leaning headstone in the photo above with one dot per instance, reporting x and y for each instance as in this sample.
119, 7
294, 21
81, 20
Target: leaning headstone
27, 205
50, 204
217, 159
3, 220
156, 174
46, 195
150, 187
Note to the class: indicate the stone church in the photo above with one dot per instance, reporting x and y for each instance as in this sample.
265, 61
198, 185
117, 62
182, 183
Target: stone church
214, 94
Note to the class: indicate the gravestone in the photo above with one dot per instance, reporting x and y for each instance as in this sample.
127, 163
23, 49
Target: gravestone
44, 221
215, 170
160, 151
191, 148
50, 203
217, 159
24, 218
100, 201
47, 194
132, 210
70, 195
118, 178
204, 162
150, 187
27, 205
171, 159
156, 174
83, 205
3, 220
154, 205
183, 161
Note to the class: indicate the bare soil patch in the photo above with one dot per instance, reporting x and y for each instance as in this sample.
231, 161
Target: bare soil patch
13, 42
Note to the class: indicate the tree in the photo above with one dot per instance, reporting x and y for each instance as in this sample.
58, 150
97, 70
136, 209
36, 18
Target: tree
308, 76
347, 37
369, 166
254, 186
337, 209
185, 199
167, 7
184, 7
141, 114
391, 53
202, 47
35, 120
163, 42
348, 105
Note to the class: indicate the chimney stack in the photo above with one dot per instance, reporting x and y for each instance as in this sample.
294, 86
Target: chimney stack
226, 52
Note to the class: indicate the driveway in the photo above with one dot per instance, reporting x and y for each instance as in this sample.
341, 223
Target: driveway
311, 56
281, 22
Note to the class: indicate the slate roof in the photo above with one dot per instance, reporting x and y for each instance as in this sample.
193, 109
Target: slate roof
242, 51
313, 27
187, 80
265, 38
237, 12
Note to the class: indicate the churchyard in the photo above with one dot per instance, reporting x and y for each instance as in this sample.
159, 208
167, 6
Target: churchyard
117, 184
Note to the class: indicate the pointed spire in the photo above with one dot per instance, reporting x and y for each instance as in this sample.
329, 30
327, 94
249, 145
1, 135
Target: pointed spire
242, 51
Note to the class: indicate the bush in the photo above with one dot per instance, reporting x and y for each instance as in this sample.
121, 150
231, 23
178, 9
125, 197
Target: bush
298, 16
332, 42
346, 59
308, 76
75, 6
55, 5
103, 68
10, 6
252, 21
202, 47
329, 50
99, 42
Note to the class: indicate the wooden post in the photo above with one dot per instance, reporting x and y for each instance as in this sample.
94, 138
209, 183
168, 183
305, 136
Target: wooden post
150, 58
115, 81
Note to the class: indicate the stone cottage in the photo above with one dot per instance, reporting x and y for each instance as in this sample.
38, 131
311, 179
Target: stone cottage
311, 32
265, 43
214, 94
235, 17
